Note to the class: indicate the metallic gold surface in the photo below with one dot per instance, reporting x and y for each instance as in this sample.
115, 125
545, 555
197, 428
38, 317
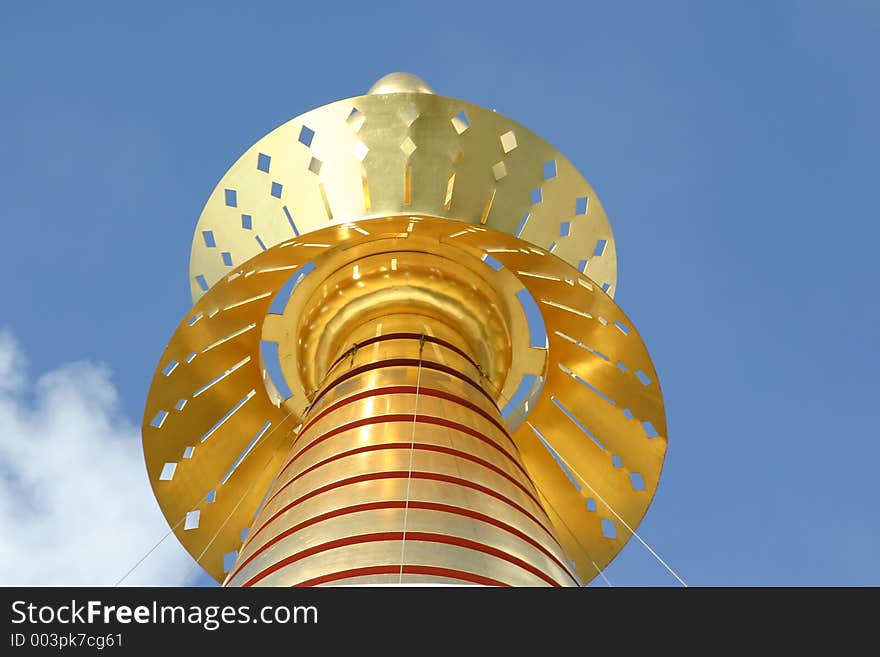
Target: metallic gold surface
594, 366
415, 434
405, 152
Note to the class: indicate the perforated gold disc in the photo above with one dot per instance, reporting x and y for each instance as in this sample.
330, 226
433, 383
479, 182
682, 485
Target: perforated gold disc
594, 436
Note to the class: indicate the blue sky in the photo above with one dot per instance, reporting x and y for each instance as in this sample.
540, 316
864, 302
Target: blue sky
734, 146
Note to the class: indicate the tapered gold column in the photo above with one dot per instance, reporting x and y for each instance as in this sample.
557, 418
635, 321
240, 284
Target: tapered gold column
403, 472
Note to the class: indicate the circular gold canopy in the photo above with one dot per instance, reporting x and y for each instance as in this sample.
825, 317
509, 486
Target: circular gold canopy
401, 150
594, 437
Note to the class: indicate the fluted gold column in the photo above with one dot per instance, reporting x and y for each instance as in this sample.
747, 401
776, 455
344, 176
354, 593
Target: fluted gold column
403, 472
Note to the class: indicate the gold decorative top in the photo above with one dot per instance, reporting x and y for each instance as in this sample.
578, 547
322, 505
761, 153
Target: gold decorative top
395, 83
406, 152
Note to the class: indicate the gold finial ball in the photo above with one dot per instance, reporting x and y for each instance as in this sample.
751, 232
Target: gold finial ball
395, 83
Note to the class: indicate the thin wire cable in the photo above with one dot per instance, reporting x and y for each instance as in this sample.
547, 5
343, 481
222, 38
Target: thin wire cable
574, 536
197, 504
618, 516
600, 571
412, 446
240, 500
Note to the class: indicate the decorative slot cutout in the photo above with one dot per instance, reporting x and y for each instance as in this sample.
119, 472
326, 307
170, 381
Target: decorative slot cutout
600, 247
247, 222
192, 520
587, 385
609, 529
306, 135
263, 162
159, 419
577, 423
355, 119
228, 415
460, 122
644, 378
290, 220
167, 472
636, 480
360, 150
650, 431
231, 198
246, 451
276, 189
492, 262
550, 170
556, 457
508, 141
580, 205
209, 239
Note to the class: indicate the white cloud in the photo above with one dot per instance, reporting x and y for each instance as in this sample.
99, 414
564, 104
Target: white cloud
75, 503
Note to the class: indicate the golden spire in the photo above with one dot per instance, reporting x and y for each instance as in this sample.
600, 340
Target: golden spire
404, 362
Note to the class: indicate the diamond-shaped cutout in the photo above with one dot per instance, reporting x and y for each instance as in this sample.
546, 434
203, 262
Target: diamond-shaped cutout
580, 205
192, 520
508, 141
306, 135
263, 162
360, 150
460, 122
499, 170
315, 166
408, 147
408, 113
356, 119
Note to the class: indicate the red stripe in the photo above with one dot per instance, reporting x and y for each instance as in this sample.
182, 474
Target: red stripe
400, 504
406, 390
402, 362
407, 570
406, 336
409, 419
428, 447
400, 474
427, 537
